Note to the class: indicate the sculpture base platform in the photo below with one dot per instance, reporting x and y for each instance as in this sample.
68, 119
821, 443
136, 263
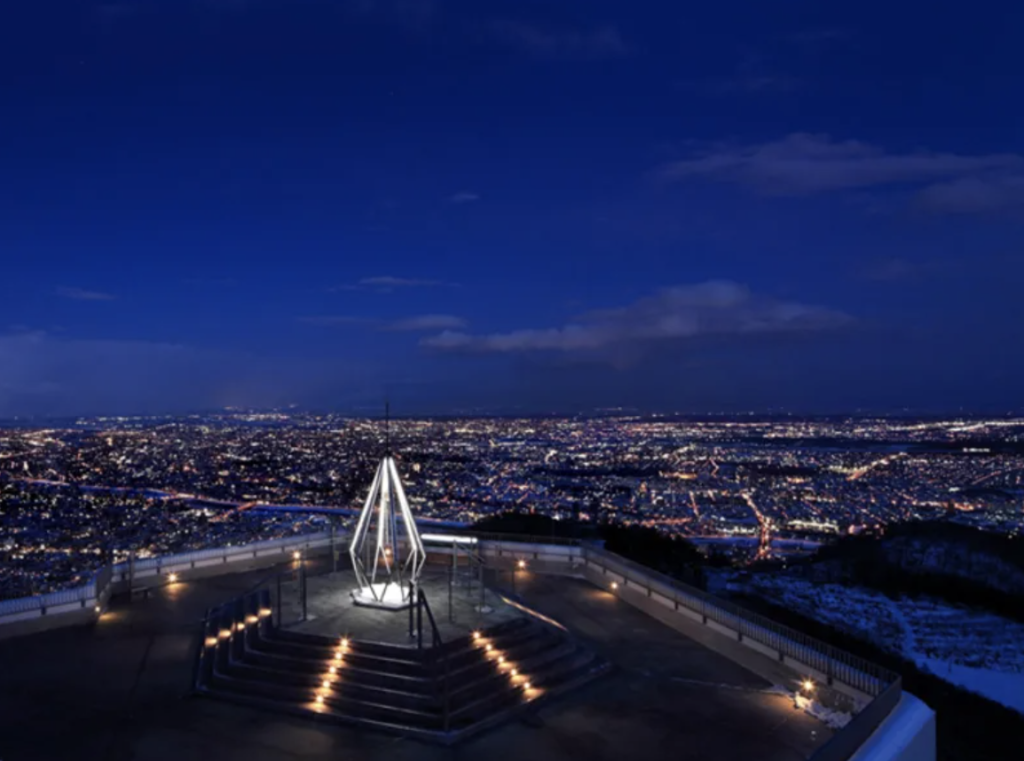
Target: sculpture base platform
384, 596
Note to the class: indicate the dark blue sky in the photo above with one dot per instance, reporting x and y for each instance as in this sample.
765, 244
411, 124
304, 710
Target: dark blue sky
510, 205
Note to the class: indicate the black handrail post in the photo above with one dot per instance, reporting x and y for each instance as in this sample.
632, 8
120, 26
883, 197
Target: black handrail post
280, 623
445, 708
302, 585
412, 604
451, 582
419, 619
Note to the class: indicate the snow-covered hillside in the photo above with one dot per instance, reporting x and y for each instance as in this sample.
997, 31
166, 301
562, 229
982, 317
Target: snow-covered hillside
974, 649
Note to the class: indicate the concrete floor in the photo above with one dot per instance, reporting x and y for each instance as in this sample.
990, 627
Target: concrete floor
119, 690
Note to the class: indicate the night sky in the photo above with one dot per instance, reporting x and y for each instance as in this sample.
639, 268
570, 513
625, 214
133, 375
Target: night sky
511, 206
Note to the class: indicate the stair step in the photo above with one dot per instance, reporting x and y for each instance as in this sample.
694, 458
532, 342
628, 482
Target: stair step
387, 686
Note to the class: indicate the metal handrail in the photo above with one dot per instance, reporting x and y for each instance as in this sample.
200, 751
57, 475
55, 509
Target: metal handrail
421, 603
490, 536
830, 660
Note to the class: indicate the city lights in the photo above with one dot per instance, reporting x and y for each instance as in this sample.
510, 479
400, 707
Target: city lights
735, 486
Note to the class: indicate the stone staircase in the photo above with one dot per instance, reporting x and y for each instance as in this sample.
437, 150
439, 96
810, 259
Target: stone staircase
443, 693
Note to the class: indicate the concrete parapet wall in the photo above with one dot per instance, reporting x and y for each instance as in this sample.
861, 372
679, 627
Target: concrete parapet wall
906, 734
83, 605
769, 662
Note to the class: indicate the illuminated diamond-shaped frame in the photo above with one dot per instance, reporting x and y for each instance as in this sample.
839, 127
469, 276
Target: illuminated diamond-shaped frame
386, 550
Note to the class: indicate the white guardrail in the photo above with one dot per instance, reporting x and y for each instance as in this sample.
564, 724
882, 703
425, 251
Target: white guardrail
90, 598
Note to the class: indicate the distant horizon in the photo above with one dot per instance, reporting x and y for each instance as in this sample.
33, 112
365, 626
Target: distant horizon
765, 414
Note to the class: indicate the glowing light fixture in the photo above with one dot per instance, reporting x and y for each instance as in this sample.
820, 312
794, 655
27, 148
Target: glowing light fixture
386, 550
807, 685
172, 577
615, 585
521, 564
296, 555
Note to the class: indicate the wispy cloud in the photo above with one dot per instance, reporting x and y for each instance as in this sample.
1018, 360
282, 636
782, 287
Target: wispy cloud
463, 196
45, 375
542, 42
332, 320
751, 76
406, 11
422, 322
390, 283
891, 270
215, 282
819, 35
743, 83
81, 294
806, 164
682, 312
975, 195
427, 322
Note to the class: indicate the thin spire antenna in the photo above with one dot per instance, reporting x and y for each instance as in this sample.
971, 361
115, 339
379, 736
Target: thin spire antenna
387, 427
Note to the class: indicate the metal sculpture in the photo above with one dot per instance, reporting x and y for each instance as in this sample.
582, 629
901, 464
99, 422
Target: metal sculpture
386, 550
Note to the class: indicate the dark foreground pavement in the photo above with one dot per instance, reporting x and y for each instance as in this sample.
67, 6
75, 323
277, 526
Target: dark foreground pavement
119, 690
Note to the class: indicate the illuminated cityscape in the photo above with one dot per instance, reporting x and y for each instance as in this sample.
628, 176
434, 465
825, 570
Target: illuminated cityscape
97, 490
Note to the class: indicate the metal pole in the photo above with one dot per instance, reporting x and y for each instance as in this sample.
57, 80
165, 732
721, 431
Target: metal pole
481, 567
446, 698
131, 574
412, 604
279, 621
419, 618
334, 549
302, 584
451, 582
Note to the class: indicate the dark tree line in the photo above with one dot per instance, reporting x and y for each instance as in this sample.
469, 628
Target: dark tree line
672, 556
